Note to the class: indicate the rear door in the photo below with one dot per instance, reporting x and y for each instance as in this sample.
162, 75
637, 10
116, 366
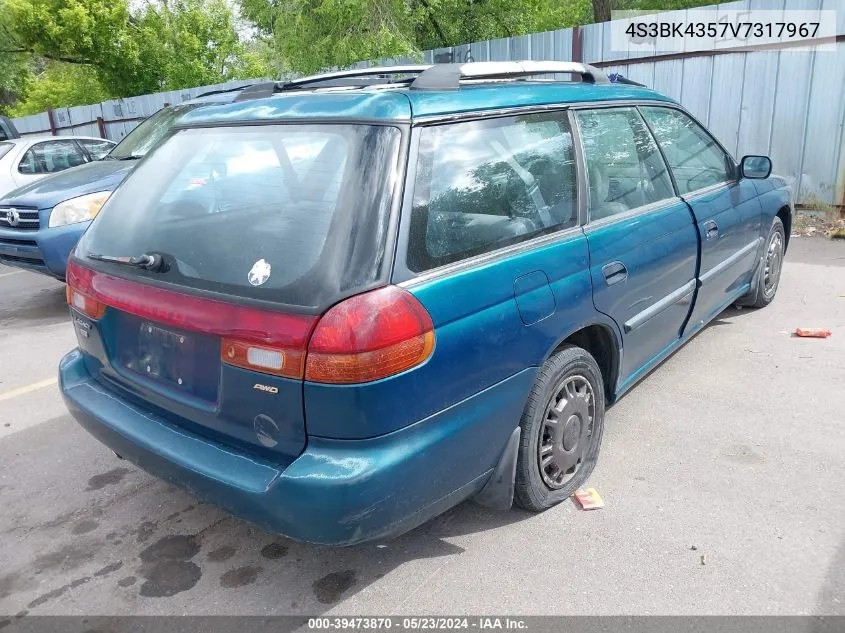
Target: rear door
727, 210
642, 240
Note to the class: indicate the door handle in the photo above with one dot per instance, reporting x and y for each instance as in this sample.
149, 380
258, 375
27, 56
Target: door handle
614, 272
711, 230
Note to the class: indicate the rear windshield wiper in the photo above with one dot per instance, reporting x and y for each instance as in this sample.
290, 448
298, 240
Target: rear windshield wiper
153, 262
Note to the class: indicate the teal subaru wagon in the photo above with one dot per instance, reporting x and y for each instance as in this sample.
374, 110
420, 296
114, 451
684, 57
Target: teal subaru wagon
341, 305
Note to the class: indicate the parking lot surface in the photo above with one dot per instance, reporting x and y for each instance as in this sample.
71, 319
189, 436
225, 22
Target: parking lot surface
722, 474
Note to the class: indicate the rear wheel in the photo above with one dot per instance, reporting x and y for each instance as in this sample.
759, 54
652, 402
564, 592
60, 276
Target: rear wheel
562, 427
768, 271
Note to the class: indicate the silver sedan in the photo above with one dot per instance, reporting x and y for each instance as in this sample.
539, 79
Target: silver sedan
25, 160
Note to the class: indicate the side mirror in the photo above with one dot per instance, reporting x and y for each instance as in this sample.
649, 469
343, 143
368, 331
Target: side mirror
755, 166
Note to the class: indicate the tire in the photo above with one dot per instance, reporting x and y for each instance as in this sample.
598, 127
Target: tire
769, 269
566, 375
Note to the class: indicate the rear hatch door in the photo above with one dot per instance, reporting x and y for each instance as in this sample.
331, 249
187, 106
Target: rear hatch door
216, 257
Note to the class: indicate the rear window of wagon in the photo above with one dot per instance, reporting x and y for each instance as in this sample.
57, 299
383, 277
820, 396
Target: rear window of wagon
296, 214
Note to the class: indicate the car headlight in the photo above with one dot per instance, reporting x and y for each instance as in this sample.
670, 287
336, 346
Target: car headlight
79, 209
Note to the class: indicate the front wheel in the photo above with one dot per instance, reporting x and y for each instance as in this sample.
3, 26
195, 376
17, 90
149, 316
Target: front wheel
562, 426
768, 271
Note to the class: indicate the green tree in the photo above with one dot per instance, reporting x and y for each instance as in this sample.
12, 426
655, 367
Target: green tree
15, 76
163, 45
602, 8
62, 85
310, 35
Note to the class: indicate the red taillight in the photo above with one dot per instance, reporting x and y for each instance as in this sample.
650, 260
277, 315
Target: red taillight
240, 326
79, 292
364, 338
370, 336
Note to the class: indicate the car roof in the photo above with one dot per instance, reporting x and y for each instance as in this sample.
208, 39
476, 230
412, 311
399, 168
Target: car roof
392, 103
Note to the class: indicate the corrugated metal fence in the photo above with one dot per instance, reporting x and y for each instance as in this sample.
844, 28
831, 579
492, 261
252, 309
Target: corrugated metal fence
788, 104
110, 119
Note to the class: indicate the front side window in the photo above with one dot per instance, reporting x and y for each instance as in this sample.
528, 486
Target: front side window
97, 149
695, 158
482, 185
50, 157
624, 167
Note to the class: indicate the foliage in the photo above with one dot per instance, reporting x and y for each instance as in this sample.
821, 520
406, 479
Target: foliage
62, 84
165, 45
603, 8
14, 78
310, 35
62, 52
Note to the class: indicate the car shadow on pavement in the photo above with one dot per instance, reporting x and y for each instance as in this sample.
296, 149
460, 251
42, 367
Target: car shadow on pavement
729, 313
831, 597
139, 545
46, 306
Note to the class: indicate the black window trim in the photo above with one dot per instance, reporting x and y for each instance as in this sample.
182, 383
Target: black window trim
406, 277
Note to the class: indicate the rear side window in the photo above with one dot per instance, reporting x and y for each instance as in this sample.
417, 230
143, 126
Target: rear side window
5, 148
482, 185
695, 158
624, 167
50, 157
295, 214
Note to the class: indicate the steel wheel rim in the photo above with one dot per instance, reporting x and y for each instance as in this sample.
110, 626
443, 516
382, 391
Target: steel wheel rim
774, 261
567, 431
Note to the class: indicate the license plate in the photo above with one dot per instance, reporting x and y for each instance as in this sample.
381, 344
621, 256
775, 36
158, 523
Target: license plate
164, 355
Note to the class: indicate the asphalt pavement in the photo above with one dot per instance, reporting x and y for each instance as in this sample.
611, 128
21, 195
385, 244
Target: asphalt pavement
722, 474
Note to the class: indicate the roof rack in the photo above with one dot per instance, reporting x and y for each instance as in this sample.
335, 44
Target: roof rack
343, 78
348, 77
258, 91
221, 91
423, 76
449, 76
618, 78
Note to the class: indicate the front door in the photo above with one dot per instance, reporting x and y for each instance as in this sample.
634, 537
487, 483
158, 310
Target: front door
727, 210
642, 239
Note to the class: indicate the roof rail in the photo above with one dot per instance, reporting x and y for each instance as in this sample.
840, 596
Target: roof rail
618, 78
449, 76
257, 91
222, 91
347, 77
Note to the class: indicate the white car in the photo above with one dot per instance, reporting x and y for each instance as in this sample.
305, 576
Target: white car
25, 160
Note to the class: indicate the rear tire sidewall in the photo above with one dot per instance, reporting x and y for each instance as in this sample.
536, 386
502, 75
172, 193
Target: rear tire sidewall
531, 492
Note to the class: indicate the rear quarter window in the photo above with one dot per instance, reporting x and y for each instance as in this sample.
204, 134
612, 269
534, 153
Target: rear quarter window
483, 185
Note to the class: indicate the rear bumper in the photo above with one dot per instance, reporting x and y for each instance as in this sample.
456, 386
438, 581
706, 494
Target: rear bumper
337, 492
43, 251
